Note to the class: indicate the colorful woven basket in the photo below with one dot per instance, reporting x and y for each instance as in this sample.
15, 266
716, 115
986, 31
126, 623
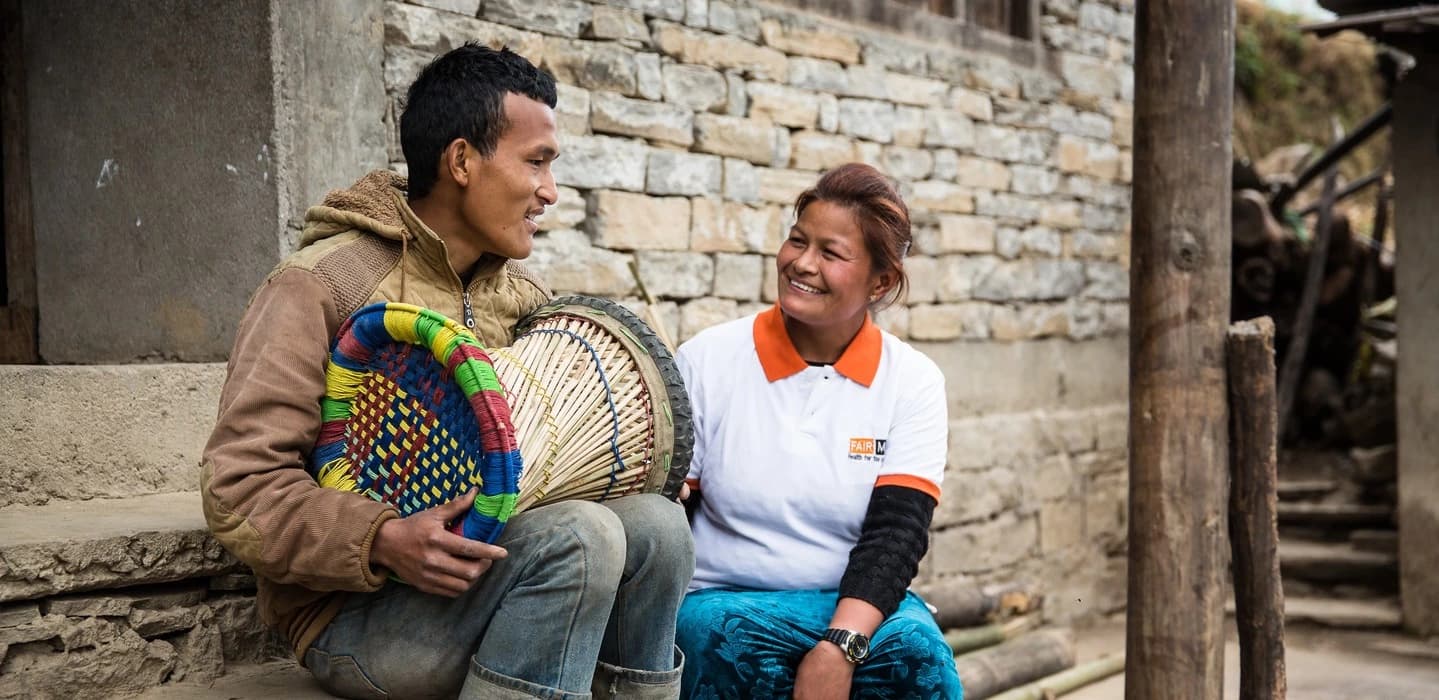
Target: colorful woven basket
414, 416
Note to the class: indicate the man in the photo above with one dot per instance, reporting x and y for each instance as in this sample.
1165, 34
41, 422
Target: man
574, 596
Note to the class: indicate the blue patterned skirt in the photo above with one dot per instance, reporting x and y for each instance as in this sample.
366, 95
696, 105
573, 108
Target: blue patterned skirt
748, 644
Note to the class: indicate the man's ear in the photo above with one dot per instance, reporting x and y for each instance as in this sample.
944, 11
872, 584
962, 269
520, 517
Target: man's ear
454, 161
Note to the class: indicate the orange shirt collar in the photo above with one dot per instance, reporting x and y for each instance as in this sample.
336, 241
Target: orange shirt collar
859, 362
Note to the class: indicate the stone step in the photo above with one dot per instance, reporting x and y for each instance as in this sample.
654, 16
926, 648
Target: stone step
1386, 541
1335, 515
1378, 613
268, 681
1325, 562
1343, 613
1305, 489
70, 546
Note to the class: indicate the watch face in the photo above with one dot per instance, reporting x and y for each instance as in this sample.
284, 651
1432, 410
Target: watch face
858, 646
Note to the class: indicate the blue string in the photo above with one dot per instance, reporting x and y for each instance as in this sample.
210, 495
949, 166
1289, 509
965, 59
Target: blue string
609, 397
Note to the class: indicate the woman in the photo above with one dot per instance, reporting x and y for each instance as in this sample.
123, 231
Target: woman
820, 446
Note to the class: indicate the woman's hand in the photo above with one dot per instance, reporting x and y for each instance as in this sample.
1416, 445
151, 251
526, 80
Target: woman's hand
823, 674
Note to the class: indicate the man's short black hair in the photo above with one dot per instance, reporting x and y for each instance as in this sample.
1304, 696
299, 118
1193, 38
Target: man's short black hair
462, 95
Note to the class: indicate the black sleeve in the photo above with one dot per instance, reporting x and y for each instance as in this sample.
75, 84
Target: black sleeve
892, 540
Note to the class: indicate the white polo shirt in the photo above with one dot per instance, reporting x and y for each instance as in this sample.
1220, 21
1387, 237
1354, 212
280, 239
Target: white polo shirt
788, 454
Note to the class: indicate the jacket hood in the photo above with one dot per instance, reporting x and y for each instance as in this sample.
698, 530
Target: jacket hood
371, 204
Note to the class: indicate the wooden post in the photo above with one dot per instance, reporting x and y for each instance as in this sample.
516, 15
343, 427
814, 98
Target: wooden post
1179, 312
1253, 528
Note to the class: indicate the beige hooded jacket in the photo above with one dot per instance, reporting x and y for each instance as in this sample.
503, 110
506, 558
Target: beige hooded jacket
307, 544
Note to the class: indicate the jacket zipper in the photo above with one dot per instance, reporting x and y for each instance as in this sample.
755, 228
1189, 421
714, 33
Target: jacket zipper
469, 313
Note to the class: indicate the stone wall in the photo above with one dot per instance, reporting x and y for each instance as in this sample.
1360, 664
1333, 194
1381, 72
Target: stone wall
689, 128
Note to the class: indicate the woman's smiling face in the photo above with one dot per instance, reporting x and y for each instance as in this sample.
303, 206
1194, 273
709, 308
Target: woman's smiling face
826, 274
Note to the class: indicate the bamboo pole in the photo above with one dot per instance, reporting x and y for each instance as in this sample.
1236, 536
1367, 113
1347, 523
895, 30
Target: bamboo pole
1253, 528
1179, 310
1067, 681
967, 639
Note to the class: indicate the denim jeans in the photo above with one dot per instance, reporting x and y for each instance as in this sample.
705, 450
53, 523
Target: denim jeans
585, 586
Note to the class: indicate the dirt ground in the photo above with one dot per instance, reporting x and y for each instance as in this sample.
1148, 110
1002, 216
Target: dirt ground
1321, 664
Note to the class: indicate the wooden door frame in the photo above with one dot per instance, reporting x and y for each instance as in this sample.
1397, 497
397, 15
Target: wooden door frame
18, 310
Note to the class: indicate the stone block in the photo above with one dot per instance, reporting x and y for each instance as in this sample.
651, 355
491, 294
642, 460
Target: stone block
814, 150
122, 666
568, 211
783, 104
595, 162
613, 114
1037, 240
19, 614
946, 164
973, 549
741, 181
805, 41
1106, 280
70, 546
818, 75
866, 82
697, 88
1097, 17
729, 17
593, 65
700, 314
662, 9
434, 32
1029, 322
948, 128
1021, 113
750, 139
1065, 119
1031, 280
892, 52
939, 322
568, 262
779, 155
1086, 244
649, 80
769, 292
924, 277
940, 196
556, 17
783, 186
697, 13
959, 274
1088, 75
982, 173
958, 233
1105, 219
676, 275
734, 227
1012, 145
678, 172
894, 319
626, 221
908, 126
572, 110
402, 65
720, 51
973, 104
987, 493
468, 8
618, 24
1010, 207
919, 92
1106, 508
1061, 526
154, 623
738, 276
1034, 180
1061, 214
907, 163
867, 119
869, 153
200, 656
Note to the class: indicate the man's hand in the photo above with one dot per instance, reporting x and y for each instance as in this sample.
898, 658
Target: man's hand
823, 674
427, 556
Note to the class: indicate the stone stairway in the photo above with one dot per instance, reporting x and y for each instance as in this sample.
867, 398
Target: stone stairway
1337, 538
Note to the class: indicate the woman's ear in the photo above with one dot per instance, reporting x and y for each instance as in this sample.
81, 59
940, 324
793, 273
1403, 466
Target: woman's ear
883, 284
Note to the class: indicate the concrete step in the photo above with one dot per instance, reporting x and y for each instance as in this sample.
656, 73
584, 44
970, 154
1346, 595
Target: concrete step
1324, 562
104, 431
69, 546
1386, 541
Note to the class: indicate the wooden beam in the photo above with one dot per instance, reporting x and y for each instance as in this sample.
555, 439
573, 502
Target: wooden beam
1179, 313
18, 307
1253, 520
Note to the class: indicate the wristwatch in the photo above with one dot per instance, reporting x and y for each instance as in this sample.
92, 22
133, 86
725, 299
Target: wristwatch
854, 644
